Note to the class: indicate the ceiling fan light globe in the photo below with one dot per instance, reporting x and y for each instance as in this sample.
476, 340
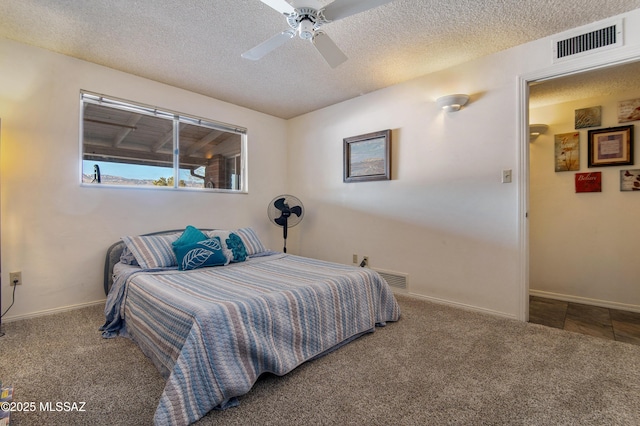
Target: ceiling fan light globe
305, 30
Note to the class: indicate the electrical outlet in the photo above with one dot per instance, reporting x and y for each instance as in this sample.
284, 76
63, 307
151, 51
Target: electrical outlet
355, 258
15, 278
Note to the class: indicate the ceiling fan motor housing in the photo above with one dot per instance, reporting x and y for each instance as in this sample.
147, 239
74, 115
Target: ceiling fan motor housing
305, 21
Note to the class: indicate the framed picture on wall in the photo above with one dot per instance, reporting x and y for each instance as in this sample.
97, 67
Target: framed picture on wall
629, 180
367, 157
567, 151
588, 117
628, 110
589, 182
611, 147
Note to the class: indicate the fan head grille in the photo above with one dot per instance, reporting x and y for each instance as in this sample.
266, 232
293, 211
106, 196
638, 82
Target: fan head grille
293, 210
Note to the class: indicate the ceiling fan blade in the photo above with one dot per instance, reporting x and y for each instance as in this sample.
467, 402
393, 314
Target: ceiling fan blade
328, 49
267, 46
279, 5
340, 9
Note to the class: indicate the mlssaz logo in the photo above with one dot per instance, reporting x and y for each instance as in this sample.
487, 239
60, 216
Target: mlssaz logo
62, 406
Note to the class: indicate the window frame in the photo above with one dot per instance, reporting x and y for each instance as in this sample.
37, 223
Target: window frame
177, 118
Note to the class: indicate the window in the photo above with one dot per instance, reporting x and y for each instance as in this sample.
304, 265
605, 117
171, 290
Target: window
135, 145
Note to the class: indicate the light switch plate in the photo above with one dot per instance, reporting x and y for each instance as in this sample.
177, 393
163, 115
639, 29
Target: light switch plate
506, 176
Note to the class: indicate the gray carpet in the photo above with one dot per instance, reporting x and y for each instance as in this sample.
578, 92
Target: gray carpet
438, 365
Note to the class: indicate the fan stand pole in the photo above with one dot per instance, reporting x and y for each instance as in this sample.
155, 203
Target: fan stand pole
284, 235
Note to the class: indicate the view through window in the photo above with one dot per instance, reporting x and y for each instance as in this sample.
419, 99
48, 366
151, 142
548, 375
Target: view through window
124, 143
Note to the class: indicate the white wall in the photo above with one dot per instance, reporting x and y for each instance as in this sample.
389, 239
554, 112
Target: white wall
55, 231
445, 218
583, 246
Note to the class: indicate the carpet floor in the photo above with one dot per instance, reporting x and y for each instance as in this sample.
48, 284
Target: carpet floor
438, 365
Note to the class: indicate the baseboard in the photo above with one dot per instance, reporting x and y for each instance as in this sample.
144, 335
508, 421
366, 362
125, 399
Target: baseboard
52, 311
462, 305
585, 300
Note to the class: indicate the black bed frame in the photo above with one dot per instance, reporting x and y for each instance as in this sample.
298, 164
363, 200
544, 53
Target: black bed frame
115, 250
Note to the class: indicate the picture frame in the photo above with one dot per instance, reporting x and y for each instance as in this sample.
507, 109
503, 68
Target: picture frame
588, 182
629, 110
367, 157
630, 180
612, 146
588, 117
567, 151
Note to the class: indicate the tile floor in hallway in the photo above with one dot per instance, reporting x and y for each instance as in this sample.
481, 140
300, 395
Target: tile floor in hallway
612, 324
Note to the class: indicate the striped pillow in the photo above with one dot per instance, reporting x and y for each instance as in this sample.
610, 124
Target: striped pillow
153, 251
252, 243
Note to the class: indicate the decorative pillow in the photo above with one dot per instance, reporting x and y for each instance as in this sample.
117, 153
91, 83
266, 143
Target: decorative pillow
190, 235
127, 257
232, 246
153, 251
235, 244
198, 255
252, 243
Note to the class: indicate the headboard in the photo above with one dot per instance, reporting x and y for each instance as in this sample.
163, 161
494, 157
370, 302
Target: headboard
115, 250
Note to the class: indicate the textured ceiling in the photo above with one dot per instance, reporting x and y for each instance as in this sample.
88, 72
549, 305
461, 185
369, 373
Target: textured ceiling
196, 44
617, 80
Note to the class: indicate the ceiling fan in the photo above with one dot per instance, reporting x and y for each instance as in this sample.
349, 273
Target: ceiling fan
305, 20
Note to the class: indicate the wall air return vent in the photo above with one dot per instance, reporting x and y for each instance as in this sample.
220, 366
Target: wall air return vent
589, 40
396, 280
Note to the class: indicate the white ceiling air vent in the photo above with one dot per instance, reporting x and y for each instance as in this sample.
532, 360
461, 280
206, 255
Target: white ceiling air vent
588, 40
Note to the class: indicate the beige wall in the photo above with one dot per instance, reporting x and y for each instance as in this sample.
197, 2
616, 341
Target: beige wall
584, 246
55, 231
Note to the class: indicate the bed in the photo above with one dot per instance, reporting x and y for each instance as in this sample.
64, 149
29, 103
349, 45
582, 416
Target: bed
213, 330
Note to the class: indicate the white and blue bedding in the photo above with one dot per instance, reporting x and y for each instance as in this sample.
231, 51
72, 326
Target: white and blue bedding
213, 331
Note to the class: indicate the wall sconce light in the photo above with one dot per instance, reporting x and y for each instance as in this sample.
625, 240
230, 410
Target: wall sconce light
452, 103
536, 130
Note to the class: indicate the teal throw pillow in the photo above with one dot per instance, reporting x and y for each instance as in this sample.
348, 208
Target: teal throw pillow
190, 235
200, 254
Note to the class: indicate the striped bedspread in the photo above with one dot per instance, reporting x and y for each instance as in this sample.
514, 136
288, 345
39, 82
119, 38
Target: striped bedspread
211, 332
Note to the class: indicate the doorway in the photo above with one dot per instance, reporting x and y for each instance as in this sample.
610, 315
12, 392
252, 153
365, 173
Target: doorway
576, 270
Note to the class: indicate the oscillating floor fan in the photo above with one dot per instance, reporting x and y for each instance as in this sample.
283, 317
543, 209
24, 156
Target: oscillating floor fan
285, 211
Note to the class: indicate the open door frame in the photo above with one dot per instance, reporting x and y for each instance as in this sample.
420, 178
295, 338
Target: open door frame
619, 56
